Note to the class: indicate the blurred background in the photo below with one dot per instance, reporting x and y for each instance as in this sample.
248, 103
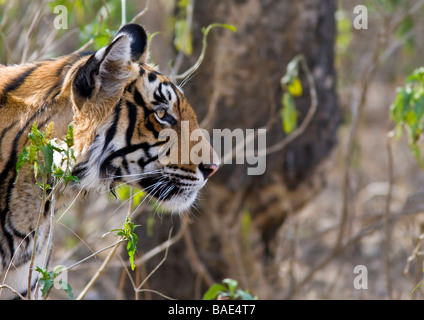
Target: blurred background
338, 191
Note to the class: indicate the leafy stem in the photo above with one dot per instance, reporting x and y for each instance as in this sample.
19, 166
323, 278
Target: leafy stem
127, 233
48, 176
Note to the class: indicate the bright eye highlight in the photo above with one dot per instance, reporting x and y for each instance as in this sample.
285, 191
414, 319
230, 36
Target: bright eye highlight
161, 113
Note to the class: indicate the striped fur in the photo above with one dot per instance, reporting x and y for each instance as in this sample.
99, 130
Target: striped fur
118, 105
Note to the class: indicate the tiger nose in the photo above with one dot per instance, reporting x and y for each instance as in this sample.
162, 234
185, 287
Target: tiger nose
208, 170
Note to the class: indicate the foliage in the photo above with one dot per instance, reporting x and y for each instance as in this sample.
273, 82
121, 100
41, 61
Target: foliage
39, 155
125, 193
96, 19
227, 290
292, 87
407, 111
183, 36
49, 176
48, 279
127, 232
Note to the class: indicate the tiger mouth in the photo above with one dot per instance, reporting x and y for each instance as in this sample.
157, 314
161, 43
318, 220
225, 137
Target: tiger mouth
170, 194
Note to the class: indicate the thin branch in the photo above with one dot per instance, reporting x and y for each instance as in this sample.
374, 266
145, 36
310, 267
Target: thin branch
311, 112
96, 253
201, 57
387, 235
5, 286
195, 261
357, 109
142, 12
138, 289
153, 252
100, 270
27, 41
123, 12
163, 246
305, 123
35, 240
189, 22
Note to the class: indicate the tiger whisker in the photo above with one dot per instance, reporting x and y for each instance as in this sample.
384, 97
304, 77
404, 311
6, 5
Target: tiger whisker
130, 198
110, 176
120, 184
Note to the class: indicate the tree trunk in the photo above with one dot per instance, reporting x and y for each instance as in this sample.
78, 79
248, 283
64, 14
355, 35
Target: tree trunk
235, 232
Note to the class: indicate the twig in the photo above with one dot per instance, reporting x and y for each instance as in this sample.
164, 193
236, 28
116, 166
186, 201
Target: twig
411, 258
357, 109
11, 260
50, 237
27, 42
5, 286
123, 12
195, 261
158, 249
201, 57
138, 289
96, 253
180, 56
100, 270
311, 112
35, 239
305, 123
386, 216
206, 122
142, 12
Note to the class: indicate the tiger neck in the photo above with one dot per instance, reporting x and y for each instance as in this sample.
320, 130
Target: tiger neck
40, 92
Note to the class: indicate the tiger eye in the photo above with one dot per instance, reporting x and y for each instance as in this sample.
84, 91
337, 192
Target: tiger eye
161, 113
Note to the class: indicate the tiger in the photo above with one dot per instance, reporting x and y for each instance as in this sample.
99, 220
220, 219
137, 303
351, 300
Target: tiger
118, 103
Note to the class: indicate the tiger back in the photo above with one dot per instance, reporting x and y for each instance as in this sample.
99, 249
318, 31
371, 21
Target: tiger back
119, 105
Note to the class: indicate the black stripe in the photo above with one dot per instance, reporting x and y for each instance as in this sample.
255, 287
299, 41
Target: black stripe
80, 170
125, 164
3, 133
140, 101
176, 91
159, 97
142, 163
152, 77
16, 83
8, 184
132, 118
161, 93
123, 152
131, 86
112, 130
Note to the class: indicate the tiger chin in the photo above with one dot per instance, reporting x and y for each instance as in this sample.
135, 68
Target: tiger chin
119, 104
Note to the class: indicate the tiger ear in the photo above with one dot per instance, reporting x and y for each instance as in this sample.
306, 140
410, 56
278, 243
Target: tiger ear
109, 66
138, 41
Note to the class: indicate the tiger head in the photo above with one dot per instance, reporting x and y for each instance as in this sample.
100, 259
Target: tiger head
121, 107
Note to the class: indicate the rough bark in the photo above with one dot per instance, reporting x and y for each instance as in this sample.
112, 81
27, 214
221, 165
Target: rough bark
235, 232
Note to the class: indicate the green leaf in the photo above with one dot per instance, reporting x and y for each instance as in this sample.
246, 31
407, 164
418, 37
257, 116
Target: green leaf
415, 150
206, 30
69, 139
35, 168
214, 291
48, 157
183, 38
288, 113
22, 159
231, 283
46, 285
244, 295
295, 87
67, 288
